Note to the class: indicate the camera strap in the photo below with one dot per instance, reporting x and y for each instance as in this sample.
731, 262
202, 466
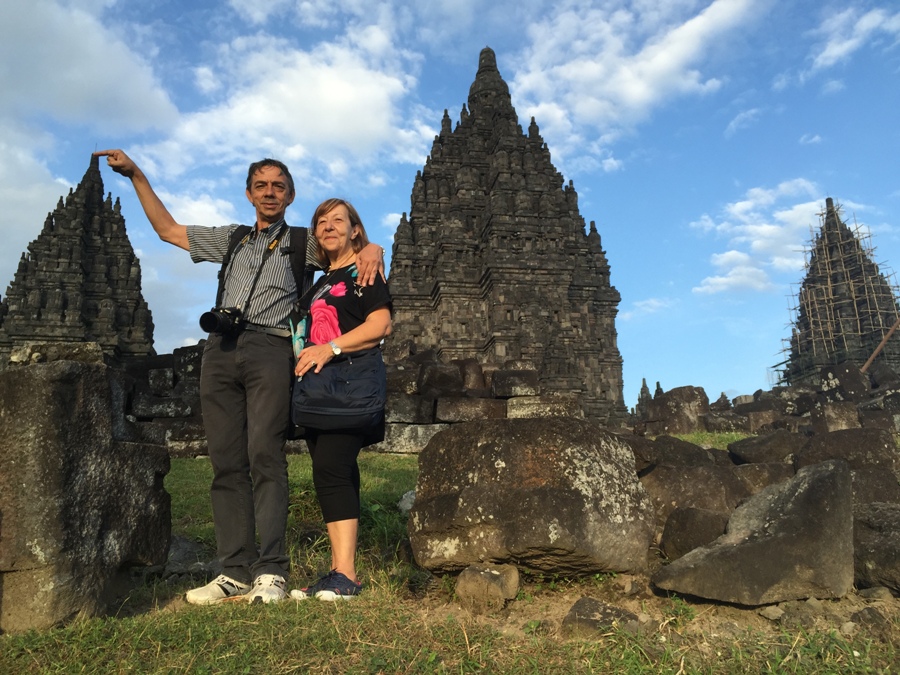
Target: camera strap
266, 255
237, 242
295, 250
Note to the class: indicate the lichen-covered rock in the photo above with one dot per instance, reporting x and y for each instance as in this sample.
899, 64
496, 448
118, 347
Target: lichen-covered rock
548, 494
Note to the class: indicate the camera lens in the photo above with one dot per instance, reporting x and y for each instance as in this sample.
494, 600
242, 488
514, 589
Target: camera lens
209, 322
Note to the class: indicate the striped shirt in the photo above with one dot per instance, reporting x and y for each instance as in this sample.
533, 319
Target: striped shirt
276, 290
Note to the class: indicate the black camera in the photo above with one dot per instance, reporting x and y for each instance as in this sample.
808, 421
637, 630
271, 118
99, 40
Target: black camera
224, 320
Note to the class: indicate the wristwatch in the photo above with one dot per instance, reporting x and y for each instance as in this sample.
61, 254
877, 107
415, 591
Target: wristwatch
334, 348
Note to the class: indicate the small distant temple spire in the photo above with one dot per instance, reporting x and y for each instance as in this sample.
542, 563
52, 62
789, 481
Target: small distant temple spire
494, 261
80, 280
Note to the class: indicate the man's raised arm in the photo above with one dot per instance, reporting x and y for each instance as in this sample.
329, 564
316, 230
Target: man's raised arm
158, 215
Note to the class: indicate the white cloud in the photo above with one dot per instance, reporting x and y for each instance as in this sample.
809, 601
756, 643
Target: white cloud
609, 68
833, 87
641, 308
206, 80
53, 47
847, 32
258, 12
334, 104
767, 232
390, 220
742, 120
810, 139
740, 278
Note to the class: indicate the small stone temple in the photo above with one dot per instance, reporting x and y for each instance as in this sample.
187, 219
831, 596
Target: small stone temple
494, 261
80, 280
845, 308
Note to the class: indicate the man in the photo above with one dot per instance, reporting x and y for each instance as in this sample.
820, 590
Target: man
245, 378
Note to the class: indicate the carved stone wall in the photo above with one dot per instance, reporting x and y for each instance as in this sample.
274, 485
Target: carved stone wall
494, 262
80, 280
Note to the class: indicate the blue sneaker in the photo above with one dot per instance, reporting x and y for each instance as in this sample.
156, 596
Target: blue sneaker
329, 587
311, 590
338, 587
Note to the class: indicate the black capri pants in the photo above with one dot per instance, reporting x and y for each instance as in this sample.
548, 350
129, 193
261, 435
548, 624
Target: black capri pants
336, 472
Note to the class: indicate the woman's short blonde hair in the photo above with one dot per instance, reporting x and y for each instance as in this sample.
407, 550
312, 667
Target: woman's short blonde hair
358, 243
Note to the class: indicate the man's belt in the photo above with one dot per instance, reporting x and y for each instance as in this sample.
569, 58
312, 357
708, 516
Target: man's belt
278, 332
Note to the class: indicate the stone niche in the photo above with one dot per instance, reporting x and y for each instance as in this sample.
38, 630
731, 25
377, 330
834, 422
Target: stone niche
79, 503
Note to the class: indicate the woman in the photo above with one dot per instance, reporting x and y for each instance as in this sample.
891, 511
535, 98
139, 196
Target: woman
347, 324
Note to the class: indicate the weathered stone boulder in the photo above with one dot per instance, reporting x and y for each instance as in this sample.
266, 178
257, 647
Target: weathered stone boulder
487, 588
687, 528
677, 411
792, 540
677, 452
551, 495
860, 448
882, 377
876, 545
725, 421
871, 455
828, 416
757, 476
589, 617
843, 382
78, 504
776, 446
715, 488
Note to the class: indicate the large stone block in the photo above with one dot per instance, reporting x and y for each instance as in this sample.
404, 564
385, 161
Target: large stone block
469, 409
876, 537
77, 504
520, 407
509, 383
830, 416
551, 495
402, 408
677, 411
187, 362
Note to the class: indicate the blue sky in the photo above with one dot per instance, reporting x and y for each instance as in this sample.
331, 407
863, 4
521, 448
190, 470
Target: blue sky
702, 137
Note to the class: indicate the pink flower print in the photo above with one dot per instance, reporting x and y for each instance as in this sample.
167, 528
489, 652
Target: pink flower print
339, 290
324, 323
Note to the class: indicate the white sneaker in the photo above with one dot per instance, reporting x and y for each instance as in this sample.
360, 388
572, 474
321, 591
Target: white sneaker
215, 591
267, 588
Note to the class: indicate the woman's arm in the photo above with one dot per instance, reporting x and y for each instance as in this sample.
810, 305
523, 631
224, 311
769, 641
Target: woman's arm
370, 333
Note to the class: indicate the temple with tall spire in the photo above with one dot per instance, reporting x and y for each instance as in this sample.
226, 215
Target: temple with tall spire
80, 280
494, 260
845, 308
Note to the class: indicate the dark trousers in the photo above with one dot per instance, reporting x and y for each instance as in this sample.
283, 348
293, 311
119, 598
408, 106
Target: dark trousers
336, 473
245, 390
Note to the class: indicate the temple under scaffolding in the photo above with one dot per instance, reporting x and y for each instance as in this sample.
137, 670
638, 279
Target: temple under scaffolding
845, 308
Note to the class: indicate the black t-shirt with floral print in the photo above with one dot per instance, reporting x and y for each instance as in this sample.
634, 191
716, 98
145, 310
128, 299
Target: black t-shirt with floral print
338, 304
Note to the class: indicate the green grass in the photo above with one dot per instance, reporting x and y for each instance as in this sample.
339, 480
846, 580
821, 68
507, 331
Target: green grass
406, 621
706, 439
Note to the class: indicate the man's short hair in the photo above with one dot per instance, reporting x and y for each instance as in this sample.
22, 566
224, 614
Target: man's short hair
256, 166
